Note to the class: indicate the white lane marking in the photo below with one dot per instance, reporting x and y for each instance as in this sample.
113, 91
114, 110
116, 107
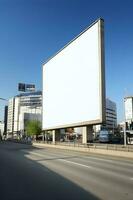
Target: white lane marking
88, 158
53, 154
79, 156
37, 154
95, 158
34, 153
75, 163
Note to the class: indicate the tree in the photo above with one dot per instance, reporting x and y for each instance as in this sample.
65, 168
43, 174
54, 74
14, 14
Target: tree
33, 127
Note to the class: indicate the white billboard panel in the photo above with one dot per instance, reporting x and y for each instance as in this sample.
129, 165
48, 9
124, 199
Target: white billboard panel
73, 82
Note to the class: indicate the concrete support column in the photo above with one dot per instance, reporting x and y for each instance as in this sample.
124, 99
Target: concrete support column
57, 134
84, 134
53, 136
43, 137
87, 134
90, 133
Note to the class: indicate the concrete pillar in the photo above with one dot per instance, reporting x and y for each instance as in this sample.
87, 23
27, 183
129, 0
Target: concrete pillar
90, 133
53, 136
87, 134
43, 137
57, 135
84, 134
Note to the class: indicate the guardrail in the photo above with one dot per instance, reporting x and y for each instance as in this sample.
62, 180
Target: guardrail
113, 147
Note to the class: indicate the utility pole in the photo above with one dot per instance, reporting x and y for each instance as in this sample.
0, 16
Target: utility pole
125, 142
3, 99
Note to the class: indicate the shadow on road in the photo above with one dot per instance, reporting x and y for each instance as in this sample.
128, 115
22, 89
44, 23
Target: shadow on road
25, 179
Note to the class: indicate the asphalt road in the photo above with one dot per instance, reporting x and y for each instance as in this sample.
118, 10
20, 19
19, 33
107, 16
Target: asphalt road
29, 173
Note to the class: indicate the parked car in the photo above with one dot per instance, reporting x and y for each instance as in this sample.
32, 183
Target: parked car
105, 136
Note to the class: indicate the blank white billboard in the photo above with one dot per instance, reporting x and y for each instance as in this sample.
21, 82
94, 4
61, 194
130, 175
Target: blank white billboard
73, 82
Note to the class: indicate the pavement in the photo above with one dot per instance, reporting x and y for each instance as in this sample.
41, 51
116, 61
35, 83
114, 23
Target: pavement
29, 173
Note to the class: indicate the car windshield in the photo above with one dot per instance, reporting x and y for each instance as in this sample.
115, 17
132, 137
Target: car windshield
103, 134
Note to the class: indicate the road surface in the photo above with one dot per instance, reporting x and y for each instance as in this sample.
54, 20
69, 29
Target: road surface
29, 173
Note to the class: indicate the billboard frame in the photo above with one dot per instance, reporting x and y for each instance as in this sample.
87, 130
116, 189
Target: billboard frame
102, 89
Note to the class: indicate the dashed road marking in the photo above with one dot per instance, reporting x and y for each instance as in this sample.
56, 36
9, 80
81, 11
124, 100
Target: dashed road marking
75, 163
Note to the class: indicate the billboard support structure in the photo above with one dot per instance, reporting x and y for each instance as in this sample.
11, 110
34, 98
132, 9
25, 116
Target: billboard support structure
87, 133
53, 136
84, 135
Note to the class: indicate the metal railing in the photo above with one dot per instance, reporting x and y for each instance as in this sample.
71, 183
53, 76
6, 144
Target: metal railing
113, 147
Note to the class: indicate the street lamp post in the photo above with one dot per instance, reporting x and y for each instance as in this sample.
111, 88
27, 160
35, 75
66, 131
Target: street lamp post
3, 99
125, 142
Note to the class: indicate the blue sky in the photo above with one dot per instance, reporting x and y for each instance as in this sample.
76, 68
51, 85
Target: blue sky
33, 30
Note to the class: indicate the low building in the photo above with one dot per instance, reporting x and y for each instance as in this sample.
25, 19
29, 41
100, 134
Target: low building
21, 108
